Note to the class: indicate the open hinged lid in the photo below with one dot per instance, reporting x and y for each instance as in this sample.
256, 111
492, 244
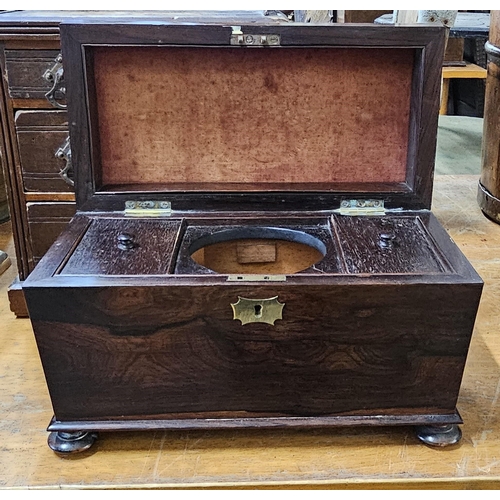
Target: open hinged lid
257, 117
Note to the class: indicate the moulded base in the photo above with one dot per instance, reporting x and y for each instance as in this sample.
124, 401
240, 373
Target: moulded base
76, 436
255, 422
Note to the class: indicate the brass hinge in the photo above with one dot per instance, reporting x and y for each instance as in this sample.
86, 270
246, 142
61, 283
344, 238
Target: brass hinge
361, 207
148, 208
239, 38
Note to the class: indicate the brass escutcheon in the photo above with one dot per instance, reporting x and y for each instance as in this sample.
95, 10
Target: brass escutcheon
257, 310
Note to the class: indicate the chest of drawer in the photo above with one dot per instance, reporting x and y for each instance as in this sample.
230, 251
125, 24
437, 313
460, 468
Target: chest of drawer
45, 222
25, 73
41, 135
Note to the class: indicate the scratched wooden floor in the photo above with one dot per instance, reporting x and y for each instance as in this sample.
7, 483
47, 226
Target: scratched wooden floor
338, 458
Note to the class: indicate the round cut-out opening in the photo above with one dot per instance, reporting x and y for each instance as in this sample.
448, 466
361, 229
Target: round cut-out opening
257, 250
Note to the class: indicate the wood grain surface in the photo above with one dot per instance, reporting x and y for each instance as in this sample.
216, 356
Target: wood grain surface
40, 134
408, 248
279, 458
152, 245
339, 349
25, 69
408, 184
490, 155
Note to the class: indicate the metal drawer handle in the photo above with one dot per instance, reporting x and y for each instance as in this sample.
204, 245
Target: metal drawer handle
258, 310
55, 76
64, 153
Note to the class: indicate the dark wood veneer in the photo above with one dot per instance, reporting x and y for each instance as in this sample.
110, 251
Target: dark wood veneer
151, 350
427, 44
352, 349
197, 421
151, 248
376, 333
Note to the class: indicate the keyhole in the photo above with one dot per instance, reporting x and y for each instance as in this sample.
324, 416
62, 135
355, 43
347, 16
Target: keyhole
258, 310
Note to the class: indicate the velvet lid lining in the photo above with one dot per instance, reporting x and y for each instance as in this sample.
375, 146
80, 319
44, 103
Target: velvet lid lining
226, 116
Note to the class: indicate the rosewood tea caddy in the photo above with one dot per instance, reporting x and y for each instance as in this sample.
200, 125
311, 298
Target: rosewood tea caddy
253, 245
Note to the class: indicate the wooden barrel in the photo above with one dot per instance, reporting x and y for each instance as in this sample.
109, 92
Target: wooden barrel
489, 186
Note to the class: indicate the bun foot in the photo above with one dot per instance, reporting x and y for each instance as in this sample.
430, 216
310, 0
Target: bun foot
66, 443
439, 435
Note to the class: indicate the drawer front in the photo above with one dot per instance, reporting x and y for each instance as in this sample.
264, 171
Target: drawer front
40, 134
46, 221
25, 70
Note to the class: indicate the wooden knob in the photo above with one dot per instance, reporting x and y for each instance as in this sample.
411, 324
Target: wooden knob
125, 241
386, 240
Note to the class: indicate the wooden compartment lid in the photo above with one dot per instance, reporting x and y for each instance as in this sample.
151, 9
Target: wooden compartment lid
178, 113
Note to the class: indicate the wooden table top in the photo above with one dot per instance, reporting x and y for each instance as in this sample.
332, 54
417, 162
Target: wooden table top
470, 70
369, 458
